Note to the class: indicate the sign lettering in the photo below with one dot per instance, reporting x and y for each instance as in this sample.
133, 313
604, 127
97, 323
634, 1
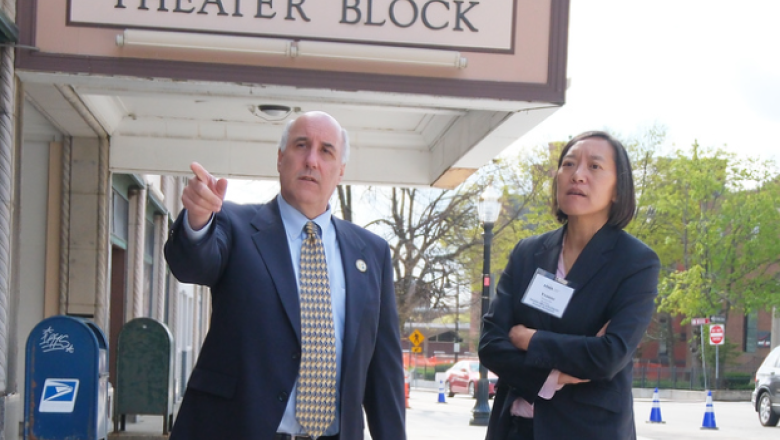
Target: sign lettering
476, 25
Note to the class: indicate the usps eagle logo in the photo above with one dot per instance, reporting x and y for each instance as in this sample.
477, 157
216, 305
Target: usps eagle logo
59, 395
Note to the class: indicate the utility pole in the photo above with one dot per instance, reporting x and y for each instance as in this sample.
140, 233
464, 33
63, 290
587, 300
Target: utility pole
457, 315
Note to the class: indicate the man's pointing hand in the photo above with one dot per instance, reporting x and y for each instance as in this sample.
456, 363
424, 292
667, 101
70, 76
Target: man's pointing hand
203, 196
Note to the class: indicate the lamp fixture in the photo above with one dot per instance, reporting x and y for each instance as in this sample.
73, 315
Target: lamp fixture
184, 40
272, 112
489, 206
292, 49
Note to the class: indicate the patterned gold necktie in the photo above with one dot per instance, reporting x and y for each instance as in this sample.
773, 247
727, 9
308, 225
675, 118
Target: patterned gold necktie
315, 404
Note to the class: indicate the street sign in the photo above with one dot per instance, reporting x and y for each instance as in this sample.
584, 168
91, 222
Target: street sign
416, 337
700, 321
416, 349
717, 334
718, 319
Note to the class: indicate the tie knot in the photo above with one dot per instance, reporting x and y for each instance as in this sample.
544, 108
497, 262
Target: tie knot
311, 229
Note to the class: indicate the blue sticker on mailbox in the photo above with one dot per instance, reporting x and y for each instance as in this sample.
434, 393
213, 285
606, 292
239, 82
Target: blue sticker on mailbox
59, 395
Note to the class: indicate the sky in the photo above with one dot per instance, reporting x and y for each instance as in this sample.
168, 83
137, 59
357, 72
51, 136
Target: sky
708, 71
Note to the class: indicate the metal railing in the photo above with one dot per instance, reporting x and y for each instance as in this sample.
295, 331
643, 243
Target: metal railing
648, 375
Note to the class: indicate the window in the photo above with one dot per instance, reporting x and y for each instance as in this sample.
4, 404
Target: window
149, 268
751, 332
120, 208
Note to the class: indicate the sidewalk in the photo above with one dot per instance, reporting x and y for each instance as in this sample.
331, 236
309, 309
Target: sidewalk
427, 419
146, 428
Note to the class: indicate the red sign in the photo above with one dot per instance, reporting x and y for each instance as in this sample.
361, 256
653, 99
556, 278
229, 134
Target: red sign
717, 334
700, 321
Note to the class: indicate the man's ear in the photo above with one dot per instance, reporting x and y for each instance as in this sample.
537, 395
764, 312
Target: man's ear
278, 160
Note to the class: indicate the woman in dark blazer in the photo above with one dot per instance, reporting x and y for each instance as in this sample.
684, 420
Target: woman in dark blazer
565, 366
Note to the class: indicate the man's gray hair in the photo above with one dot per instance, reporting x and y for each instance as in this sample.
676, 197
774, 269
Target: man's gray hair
344, 136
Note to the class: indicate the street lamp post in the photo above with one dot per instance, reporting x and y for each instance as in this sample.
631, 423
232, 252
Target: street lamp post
488, 210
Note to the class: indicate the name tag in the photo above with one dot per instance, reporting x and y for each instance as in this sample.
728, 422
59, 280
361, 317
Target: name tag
548, 293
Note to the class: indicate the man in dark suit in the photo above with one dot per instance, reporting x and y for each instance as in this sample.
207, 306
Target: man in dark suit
246, 383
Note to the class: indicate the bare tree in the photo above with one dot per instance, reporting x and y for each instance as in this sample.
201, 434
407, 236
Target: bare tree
345, 201
427, 229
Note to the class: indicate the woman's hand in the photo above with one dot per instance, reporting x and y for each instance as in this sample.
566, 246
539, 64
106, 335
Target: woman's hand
567, 379
603, 330
520, 336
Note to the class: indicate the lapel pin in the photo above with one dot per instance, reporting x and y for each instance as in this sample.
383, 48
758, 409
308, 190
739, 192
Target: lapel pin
361, 265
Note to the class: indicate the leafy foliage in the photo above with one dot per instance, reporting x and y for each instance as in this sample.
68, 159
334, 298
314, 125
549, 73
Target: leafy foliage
712, 219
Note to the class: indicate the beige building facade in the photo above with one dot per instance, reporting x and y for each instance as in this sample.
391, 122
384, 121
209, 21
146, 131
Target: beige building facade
106, 103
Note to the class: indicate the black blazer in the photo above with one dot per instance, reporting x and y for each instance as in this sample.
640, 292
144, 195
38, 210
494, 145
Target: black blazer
250, 358
616, 280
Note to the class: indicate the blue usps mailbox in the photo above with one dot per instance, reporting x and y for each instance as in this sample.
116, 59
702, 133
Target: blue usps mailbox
66, 381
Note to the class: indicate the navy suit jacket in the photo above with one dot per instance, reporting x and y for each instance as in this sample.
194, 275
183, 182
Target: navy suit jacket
616, 281
250, 358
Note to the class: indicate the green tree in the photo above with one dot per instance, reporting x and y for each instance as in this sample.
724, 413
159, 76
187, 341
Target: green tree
525, 183
713, 220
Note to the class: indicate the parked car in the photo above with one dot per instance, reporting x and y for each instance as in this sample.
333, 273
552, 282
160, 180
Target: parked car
463, 377
766, 396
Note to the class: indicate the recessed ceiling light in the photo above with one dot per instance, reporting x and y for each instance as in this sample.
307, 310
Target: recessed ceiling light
271, 112
274, 110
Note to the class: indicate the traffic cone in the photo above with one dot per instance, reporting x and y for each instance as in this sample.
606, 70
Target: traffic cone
655, 413
709, 414
441, 382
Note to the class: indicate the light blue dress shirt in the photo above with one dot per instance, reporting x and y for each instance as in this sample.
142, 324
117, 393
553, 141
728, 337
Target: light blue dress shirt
294, 223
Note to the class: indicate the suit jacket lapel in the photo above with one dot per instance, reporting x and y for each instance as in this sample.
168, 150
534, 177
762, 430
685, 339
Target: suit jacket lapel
593, 257
271, 243
352, 249
547, 256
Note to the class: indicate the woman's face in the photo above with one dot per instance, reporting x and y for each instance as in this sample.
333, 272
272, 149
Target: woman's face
587, 180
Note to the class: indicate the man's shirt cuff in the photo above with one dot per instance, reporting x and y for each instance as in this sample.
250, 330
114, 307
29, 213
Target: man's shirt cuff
193, 235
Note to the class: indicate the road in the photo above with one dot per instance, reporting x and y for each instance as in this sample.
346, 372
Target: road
427, 420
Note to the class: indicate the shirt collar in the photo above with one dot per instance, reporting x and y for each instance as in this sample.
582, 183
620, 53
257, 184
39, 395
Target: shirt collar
294, 220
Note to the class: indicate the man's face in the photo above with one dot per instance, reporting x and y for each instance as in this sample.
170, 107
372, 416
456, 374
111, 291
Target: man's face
311, 165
